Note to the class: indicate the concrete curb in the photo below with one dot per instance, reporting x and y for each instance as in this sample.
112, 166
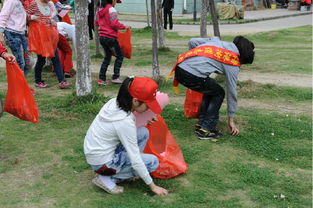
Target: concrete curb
243, 21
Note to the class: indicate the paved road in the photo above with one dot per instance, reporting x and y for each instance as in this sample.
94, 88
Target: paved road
233, 29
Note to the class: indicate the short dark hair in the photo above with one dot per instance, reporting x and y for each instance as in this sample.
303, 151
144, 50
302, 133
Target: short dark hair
246, 49
103, 3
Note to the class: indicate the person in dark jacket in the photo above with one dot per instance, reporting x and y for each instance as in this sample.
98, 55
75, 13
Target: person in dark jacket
168, 7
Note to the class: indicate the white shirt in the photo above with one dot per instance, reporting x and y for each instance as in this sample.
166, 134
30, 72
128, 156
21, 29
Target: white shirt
68, 31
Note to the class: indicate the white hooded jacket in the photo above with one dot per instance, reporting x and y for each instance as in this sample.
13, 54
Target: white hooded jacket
112, 126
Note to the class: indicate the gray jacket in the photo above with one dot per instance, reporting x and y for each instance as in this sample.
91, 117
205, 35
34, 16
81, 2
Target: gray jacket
202, 67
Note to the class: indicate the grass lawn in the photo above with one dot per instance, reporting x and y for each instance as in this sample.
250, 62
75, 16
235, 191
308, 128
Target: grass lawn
268, 165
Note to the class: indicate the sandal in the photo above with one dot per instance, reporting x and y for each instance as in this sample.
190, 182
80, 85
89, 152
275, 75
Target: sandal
115, 190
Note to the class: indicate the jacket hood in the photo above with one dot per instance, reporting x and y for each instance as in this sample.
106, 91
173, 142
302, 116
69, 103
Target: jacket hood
111, 112
104, 10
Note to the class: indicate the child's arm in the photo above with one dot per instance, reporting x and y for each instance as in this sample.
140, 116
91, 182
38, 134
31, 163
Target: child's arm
5, 55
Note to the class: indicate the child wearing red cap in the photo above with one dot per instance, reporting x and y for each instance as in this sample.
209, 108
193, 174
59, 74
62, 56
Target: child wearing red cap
113, 146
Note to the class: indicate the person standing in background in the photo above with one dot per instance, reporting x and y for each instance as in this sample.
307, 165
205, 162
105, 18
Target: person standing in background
168, 7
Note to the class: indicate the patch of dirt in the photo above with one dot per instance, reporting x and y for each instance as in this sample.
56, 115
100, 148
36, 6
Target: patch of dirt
281, 79
304, 108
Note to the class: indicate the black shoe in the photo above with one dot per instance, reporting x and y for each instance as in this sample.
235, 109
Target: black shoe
205, 134
197, 127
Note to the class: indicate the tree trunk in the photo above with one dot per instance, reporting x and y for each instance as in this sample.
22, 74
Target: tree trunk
97, 42
83, 76
214, 18
160, 25
203, 19
147, 9
155, 61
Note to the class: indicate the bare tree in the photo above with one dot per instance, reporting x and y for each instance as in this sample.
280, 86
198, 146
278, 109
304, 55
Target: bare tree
97, 42
160, 25
214, 18
147, 10
83, 76
203, 19
155, 61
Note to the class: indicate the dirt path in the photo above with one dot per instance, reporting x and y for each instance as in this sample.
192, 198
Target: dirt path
281, 79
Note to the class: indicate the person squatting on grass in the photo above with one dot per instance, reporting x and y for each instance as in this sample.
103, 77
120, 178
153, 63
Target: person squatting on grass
43, 11
12, 30
107, 21
114, 146
194, 73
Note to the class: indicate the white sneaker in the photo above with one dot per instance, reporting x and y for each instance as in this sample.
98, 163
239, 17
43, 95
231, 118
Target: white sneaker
116, 190
117, 81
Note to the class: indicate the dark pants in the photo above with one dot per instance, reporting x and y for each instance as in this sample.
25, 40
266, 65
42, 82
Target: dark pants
56, 64
213, 96
168, 12
110, 45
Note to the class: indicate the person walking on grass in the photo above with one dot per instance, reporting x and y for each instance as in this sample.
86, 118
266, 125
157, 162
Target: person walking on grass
193, 69
113, 146
107, 21
12, 32
42, 12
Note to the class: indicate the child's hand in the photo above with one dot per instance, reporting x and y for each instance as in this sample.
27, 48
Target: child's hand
9, 57
152, 120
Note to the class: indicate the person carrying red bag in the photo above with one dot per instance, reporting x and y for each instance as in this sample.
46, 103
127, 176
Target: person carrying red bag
114, 146
7, 56
107, 21
43, 39
193, 69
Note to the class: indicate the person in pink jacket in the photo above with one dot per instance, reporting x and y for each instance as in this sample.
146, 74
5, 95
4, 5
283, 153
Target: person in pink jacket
107, 21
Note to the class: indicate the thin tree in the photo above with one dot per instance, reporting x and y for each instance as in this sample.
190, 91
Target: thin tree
160, 25
83, 76
203, 19
97, 42
214, 18
147, 10
155, 61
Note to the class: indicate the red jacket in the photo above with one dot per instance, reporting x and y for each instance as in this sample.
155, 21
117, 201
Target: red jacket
106, 20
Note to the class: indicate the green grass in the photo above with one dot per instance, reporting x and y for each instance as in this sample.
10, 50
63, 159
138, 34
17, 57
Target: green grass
252, 168
268, 164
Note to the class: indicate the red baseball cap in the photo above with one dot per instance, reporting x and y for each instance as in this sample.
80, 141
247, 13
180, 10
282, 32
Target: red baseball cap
144, 89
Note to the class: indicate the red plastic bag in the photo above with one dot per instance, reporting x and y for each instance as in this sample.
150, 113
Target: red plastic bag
42, 40
19, 100
124, 39
162, 144
193, 102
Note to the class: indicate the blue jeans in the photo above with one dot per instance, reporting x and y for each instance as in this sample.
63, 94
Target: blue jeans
121, 162
109, 45
56, 63
18, 45
213, 96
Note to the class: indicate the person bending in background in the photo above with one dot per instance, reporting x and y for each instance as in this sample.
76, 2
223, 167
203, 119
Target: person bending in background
194, 73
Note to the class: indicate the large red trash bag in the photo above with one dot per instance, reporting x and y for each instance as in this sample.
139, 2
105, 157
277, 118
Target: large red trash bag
42, 40
162, 144
19, 100
192, 104
124, 40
